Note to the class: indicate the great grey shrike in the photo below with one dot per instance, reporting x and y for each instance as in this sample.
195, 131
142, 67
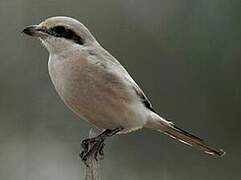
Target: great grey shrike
94, 85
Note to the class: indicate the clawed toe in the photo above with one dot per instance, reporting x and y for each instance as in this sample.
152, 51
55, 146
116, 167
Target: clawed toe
91, 147
100, 154
94, 147
86, 143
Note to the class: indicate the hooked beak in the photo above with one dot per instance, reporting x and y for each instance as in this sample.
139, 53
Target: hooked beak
35, 31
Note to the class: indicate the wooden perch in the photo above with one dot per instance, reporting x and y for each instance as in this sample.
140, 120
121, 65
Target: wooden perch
91, 163
93, 151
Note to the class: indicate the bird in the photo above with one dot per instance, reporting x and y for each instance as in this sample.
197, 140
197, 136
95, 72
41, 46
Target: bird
96, 87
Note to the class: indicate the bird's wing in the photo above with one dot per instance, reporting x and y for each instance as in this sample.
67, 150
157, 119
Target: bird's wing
128, 79
140, 93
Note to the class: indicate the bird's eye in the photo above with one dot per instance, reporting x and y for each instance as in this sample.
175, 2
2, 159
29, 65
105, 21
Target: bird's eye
59, 29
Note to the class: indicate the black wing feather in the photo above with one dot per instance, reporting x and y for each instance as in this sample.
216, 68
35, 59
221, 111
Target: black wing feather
143, 98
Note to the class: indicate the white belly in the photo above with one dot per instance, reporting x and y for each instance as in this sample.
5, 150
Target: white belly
95, 95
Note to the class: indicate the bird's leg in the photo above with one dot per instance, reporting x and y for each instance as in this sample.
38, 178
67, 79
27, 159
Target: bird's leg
96, 144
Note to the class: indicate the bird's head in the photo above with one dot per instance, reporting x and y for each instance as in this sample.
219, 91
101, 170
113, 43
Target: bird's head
61, 33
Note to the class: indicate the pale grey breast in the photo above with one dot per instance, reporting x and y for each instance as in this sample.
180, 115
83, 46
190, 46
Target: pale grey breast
93, 90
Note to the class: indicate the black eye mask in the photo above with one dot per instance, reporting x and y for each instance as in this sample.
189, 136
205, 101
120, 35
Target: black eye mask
62, 32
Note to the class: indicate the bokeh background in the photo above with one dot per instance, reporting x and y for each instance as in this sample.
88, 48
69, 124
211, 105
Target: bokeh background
186, 56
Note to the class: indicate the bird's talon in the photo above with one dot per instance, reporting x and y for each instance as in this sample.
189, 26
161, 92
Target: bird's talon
84, 155
94, 147
85, 144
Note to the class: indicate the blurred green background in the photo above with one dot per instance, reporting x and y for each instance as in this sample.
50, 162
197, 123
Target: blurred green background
186, 56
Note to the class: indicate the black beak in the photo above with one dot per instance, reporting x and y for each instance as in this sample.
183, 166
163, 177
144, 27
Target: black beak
36, 31
30, 30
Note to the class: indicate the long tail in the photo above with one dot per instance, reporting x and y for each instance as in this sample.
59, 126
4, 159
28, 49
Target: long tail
183, 136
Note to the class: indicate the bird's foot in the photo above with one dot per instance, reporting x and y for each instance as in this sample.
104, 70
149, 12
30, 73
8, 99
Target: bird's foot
92, 147
95, 146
